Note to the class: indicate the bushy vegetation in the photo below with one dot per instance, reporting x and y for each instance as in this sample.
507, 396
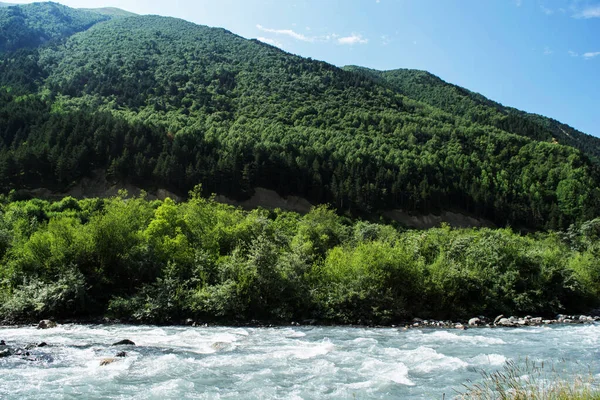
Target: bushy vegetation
161, 261
161, 102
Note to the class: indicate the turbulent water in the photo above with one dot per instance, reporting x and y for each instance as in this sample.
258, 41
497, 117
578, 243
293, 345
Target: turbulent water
286, 363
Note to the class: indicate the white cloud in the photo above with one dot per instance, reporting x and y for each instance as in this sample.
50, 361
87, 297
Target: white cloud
547, 51
573, 54
546, 10
272, 42
352, 40
518, 3
589, 12
591, 55
385, 40
287, 32
349, 40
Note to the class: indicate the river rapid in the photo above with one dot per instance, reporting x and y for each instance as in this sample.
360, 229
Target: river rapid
282, 363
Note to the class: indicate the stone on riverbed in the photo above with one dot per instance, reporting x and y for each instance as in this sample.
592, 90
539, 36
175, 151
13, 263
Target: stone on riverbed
125, 342
505, 322
46, 324
474, 321
5, 353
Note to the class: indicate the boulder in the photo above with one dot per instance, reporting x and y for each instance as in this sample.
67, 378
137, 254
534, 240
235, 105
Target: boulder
121, 354
460, 327
5, 353
498, 318
474, 321
190, 322
34, 345
536, 321
125, 342
505, 322
2, 343
46, 324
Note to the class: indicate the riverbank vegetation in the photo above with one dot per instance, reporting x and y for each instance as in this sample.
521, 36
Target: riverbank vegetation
530, 380
162, 262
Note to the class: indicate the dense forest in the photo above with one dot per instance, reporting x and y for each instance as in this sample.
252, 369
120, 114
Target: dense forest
162, 262
164, 103
430, 89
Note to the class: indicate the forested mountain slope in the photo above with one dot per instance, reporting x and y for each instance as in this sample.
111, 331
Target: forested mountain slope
166, 103
111, 11
33, 24
430, 89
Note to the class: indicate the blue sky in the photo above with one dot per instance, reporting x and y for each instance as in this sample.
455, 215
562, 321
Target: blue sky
541, 56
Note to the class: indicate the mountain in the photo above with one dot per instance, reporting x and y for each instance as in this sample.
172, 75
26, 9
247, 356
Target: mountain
164, 103
430, 89
110, 11
34, 24
6, 4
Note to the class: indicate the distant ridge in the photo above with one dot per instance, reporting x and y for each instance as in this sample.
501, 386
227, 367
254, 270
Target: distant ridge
430, 89
111, 11
6, 4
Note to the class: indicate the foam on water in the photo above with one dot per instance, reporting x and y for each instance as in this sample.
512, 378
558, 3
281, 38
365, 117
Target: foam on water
444, 337
488, 359
396, 372
281, 363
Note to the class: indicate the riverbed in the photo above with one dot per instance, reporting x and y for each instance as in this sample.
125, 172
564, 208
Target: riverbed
278, 363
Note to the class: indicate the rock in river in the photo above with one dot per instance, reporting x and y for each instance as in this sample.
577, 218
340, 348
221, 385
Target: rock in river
125, 342
46, 324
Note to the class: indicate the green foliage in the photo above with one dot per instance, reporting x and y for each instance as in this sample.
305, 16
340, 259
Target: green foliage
430, 89
373, 282
162, 262
37, 299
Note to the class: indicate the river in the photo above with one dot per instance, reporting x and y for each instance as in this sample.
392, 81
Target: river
283, 363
